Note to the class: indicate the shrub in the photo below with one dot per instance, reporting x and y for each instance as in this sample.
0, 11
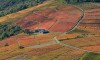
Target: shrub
21, 47
6, 44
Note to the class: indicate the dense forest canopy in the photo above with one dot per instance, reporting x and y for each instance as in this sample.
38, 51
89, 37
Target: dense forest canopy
11, 6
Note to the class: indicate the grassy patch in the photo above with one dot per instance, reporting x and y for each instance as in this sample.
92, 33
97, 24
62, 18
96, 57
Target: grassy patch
90, 56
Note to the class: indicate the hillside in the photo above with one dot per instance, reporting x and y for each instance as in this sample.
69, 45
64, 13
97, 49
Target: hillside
10, 21
74, 32
12, 6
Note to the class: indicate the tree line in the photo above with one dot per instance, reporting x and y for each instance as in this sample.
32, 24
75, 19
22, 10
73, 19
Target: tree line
9, 30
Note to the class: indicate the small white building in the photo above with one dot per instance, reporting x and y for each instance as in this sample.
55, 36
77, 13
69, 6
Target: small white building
41, 31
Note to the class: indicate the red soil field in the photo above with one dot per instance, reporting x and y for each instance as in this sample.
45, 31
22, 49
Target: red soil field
66, 18
43, 16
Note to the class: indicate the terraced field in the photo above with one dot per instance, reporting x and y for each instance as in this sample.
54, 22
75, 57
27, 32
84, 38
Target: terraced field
59, 54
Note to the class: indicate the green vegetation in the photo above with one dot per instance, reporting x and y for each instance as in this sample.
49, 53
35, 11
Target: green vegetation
27, 31
11, 6
9, 30
79, 31
90, 56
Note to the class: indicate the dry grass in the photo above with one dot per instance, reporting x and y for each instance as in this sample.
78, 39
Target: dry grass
59, 54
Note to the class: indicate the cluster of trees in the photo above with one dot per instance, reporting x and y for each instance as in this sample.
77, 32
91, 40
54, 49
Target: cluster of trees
27, 31
9, 30
11, 6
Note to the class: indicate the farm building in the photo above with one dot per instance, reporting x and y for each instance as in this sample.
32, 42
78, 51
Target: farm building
41, 31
